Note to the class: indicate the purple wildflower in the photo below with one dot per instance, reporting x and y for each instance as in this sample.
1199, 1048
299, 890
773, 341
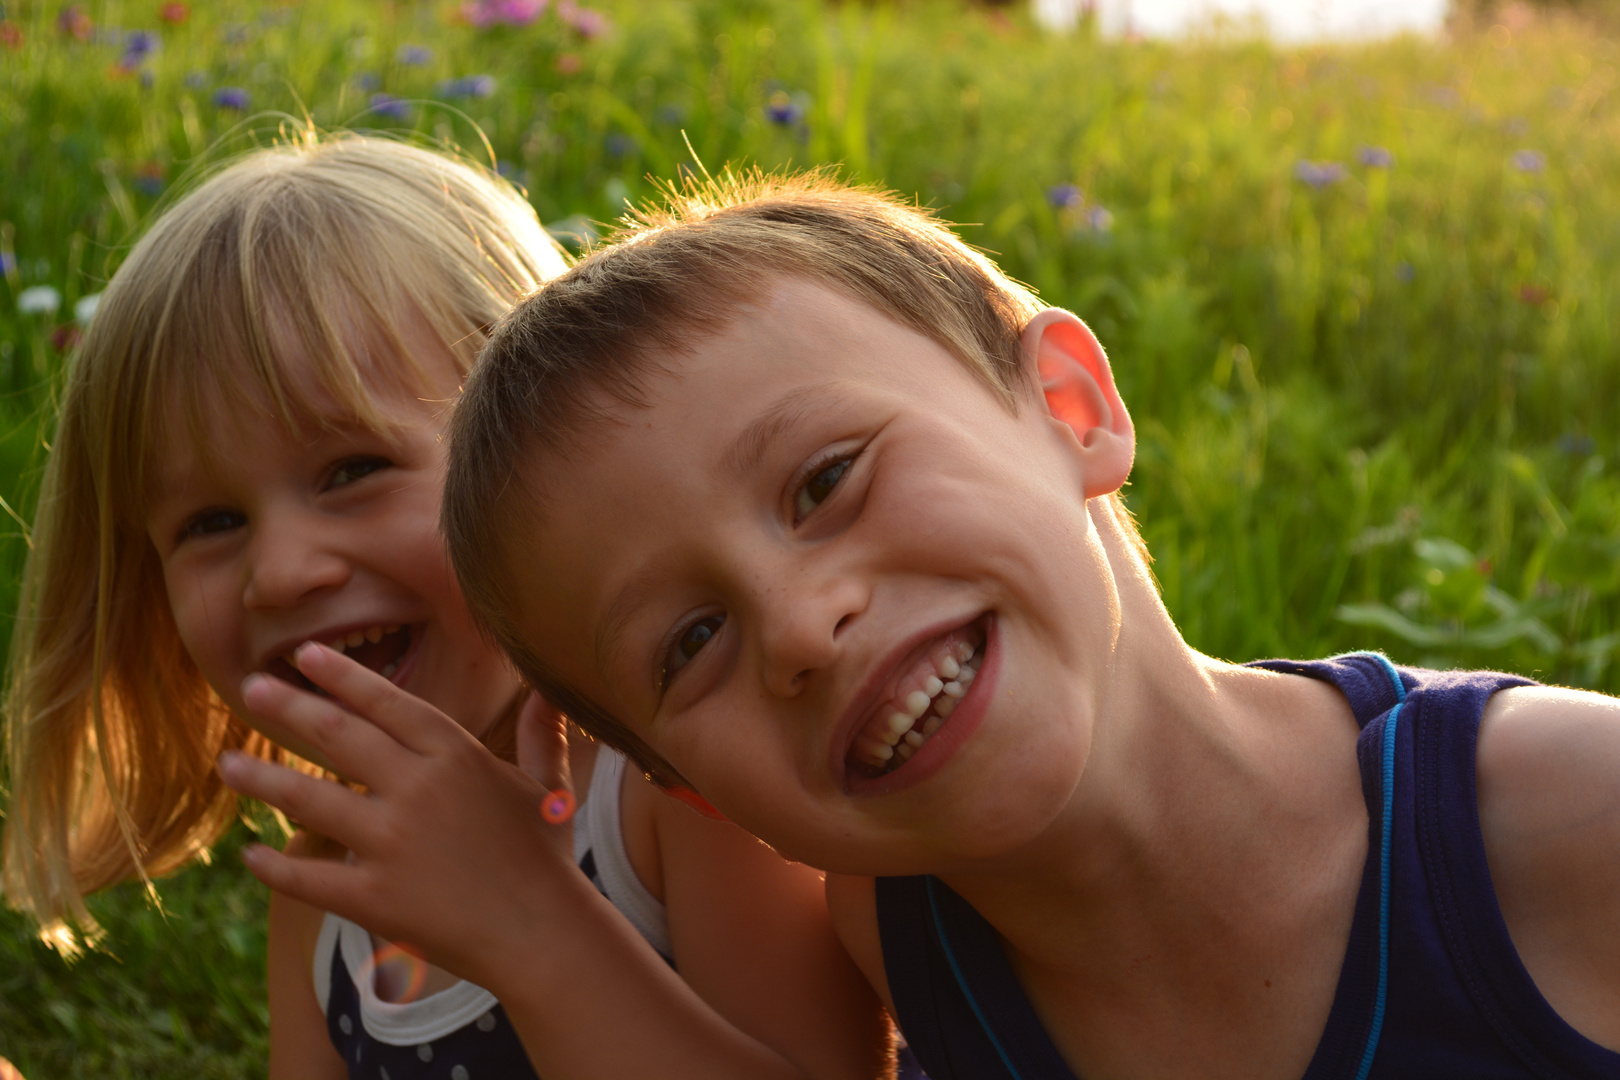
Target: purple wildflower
8, 263
1064, 197
468, 86
415, 55
390, 106
368, 81
1529, 161
587, 23
486, 13
232, 97
1318, 174
1099, 219
783, 109
138, 45
1375, 157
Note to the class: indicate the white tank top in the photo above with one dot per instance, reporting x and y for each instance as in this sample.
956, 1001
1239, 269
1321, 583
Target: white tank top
599, 851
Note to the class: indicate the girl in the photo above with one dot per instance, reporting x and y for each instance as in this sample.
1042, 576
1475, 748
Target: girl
248, 458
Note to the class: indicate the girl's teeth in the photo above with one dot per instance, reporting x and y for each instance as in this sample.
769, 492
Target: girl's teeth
953, 689
933, 686
358, 637
899, 724
389, 669
932, 724
904, 751
374, 634
914, 739
967, 675
949, 668
917, 703
944, 707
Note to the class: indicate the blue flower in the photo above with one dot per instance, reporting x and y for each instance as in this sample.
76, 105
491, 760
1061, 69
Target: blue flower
232, 97
784, 109
390, 106
1375, 157
1064, 196
8, 263
368, 81
1099, 219
468, 86
1529, 161
620, 145
1318, 174
138, 45
415, 55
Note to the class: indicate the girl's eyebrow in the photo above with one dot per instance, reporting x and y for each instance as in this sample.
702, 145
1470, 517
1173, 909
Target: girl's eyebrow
785, 413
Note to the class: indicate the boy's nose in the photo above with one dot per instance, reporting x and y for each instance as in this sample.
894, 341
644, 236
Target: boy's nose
803, 629
288, 564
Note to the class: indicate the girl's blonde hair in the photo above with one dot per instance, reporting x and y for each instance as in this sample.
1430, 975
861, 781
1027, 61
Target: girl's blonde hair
326, 245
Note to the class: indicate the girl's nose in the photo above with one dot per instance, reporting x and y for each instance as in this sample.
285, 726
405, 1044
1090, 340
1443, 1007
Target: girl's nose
289, 560
804, 628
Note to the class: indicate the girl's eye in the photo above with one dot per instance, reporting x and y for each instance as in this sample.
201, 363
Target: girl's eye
691, 642
819, 486
210, 522
347, 472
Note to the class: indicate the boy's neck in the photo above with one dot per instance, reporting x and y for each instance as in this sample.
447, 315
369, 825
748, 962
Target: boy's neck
1220, 809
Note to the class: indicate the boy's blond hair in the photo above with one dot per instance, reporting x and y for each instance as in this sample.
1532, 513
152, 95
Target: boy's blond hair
675, 273
320, 245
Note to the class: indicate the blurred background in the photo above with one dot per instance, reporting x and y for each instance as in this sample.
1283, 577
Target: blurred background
1357, 267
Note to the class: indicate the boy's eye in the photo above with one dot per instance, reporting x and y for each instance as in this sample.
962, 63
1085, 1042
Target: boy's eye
819, 486
210, 522
347, 472
691, 642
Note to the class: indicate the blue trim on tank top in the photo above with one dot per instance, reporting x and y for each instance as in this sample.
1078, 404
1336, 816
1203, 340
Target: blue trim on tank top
1391, 723
961, 981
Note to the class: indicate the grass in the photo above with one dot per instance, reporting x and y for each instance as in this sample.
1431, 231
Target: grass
1358, 297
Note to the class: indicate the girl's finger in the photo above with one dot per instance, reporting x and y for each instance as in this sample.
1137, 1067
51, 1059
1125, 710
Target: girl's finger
351, 745
323, 806
327, 884
542, 744
411, 721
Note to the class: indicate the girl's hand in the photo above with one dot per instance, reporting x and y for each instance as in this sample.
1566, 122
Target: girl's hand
449, 851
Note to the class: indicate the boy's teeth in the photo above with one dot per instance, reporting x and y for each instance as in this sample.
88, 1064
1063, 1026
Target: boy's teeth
374, 634
886, 744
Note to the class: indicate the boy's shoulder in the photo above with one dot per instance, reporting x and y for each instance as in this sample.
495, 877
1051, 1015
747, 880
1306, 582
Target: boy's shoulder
1548, 766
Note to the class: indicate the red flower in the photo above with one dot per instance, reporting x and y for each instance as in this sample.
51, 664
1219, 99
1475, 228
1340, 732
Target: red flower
75, 22
1534, 295
11, 35
64, 337
174, 13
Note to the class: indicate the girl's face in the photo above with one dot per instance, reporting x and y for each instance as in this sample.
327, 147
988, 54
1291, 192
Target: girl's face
269, 538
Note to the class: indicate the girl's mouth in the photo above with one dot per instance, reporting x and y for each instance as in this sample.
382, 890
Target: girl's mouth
382, 648
923, 699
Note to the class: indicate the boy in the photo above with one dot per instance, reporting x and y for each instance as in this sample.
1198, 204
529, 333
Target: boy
768, 496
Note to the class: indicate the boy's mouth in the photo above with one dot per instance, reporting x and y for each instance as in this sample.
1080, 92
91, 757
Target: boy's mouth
381, 647
924, 696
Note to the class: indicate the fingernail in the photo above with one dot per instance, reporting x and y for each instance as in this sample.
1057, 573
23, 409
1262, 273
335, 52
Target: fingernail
227, 761
306, 653
253, 687
252, 853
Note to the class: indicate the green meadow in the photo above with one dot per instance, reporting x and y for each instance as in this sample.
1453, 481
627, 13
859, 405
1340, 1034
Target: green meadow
1360, 299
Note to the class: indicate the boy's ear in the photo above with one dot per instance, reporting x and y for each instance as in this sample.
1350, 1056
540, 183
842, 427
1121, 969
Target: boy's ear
1078, 385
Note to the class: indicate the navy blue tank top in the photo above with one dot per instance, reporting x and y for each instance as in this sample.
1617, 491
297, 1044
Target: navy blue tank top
1431, 985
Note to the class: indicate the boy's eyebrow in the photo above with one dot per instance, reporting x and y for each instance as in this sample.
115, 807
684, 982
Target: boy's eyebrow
609, 638
745, 452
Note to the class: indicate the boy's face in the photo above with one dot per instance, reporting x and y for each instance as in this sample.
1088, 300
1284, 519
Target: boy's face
819, 511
